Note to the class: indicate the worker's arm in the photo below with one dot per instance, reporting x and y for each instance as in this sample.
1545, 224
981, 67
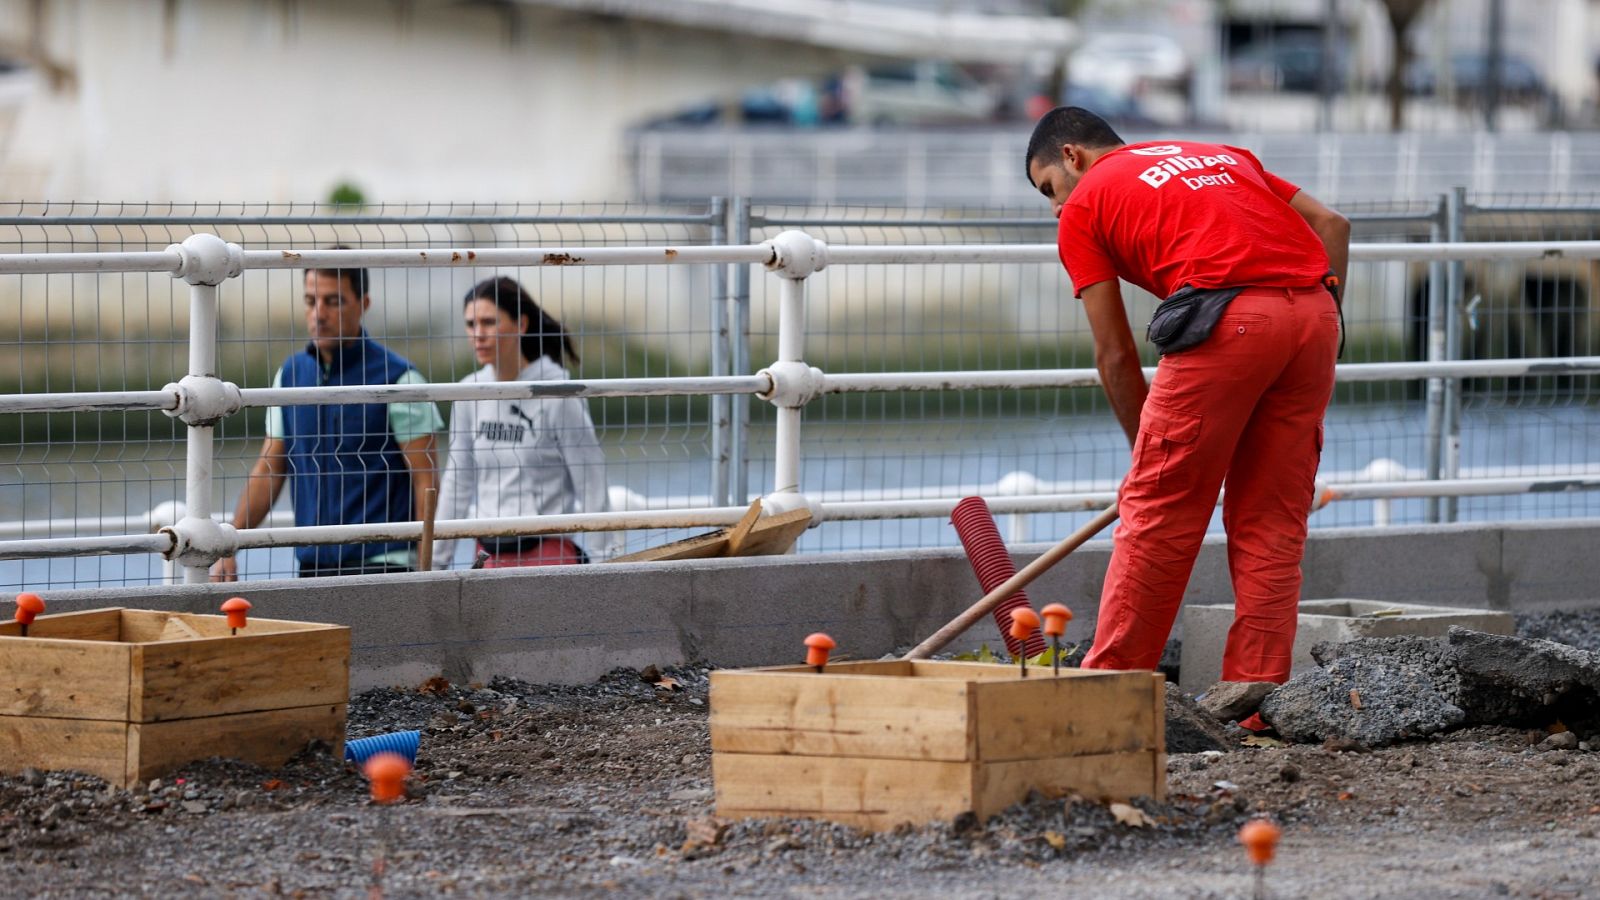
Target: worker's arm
1115, 354
423, 462
1333, 230
261, 490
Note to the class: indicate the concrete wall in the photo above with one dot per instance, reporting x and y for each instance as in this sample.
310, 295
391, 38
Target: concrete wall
572, 624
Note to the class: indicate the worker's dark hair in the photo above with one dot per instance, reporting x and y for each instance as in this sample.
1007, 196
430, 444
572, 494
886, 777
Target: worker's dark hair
356, 278
1067, 125
544, 336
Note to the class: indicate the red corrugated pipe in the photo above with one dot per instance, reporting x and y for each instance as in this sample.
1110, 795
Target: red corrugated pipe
992, 564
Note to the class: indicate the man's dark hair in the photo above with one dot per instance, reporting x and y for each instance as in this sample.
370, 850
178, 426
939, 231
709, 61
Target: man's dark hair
356, 278
1067, 125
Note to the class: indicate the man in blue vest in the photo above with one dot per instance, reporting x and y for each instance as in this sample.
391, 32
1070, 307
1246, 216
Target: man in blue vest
347, 463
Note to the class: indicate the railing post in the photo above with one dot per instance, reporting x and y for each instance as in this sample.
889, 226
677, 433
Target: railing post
1455, 284
720, 403
739, 357
791, 349
204, 399
794, 384
1433, 441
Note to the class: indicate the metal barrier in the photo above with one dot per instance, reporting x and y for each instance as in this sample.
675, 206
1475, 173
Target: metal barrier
201, 399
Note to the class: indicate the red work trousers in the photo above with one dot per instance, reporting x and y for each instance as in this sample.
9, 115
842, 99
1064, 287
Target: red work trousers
1246, 406
548, 552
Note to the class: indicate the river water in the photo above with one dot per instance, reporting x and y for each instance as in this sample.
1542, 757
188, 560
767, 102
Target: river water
72, 483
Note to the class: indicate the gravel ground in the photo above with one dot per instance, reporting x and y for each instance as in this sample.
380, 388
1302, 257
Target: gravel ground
605, 790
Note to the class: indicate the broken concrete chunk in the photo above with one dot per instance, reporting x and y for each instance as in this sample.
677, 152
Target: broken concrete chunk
1530, 667
1191, 729
1397, 683
1230, 701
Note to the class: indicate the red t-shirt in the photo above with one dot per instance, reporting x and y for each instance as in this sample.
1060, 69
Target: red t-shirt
1167, 214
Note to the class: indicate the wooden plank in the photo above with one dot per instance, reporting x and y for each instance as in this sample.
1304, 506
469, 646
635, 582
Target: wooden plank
151, 625
177, 629
1160, 683
774, 535
251, 672
97, 748
839, 715
141, 625
874, 794
90, 625
846, 667
1106, 776
739, 533
65, 679
1044, 717
970, 671
267, 738
701, 546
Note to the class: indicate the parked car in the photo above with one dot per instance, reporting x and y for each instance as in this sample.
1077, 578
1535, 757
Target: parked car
1125, 63
1469, 73
1123, 110
917, 93
791, 102
1286, 62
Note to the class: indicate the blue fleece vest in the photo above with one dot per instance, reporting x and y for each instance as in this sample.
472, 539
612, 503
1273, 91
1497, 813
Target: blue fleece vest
345, 467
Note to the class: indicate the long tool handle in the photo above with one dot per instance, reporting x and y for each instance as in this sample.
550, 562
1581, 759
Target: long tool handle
430, 507
1013, 584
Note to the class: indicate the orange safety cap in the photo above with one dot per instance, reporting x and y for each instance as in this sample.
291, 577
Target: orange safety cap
28, 606
238, 610
387, 772
1024, 621
1056, 618
817, 647
1260, 840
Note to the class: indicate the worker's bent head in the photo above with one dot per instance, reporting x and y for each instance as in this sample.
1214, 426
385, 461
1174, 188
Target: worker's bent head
1067, 140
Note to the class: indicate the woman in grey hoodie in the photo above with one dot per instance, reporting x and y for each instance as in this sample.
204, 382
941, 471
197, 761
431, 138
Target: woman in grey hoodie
527, 457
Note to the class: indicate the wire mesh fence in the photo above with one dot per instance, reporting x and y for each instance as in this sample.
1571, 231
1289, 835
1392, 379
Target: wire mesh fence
65, 474
66, 471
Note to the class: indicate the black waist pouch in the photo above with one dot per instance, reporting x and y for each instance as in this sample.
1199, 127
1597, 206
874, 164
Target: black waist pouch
1186, 318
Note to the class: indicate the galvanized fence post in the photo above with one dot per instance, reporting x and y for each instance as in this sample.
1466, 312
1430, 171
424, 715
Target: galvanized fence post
1450, 464
1434, 439
720, 403
739, 353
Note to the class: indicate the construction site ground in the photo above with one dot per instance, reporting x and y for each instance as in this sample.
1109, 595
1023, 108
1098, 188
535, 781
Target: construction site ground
604, 790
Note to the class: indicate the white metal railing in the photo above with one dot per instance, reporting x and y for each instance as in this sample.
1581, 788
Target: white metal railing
200, 399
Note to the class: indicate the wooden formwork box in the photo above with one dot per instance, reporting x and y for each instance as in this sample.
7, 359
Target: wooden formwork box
875, 744
129, 694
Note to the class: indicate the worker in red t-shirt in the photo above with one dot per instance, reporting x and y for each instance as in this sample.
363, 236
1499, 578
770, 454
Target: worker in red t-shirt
1250, 267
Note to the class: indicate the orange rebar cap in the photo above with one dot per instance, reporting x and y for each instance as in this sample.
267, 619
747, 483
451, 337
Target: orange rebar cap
1024, 621
817, 647
387, 772
28, 606
1056, 618
1260, 840
238, 610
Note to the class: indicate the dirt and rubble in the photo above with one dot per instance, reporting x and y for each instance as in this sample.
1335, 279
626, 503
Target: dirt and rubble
604, 790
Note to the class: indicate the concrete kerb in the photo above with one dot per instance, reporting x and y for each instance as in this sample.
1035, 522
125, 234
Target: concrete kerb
1205, 630
571, 624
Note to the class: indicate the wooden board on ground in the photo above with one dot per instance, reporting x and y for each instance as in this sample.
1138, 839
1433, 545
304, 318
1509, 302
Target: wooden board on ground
754, 535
